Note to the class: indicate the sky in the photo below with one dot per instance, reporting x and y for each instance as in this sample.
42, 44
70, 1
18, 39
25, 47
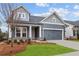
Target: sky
67, 11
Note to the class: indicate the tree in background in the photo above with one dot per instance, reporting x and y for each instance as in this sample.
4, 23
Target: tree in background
6, 13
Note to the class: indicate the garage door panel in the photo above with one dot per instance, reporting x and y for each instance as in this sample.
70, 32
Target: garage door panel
53, 34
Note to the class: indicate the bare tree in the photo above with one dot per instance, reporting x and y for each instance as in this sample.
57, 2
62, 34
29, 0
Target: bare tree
6, 12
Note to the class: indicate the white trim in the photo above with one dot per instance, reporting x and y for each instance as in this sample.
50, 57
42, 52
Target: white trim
30, 32
62, 34
21, 31
40, 31
56, 29
15, 32
51, 29
26, 24
26, 32
10, 33
52, 23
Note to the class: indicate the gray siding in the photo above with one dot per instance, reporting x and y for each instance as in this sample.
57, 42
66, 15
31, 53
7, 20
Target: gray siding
53, 26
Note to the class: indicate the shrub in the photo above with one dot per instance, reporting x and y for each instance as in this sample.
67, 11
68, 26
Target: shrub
15, 41
44, 39
18, 42
21, 41
8, 41
29, 41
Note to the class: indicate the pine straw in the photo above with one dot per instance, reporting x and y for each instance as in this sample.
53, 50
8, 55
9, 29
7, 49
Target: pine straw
6, 49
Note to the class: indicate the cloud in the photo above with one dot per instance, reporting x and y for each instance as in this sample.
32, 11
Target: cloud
76, 13
42, 4
62, 12
76, 7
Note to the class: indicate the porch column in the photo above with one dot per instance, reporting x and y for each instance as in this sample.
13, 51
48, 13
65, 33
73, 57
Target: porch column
30, 32
15, 32
10, 33
21, 32
40, 31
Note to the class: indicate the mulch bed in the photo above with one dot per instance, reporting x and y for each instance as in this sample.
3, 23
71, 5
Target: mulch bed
7, 50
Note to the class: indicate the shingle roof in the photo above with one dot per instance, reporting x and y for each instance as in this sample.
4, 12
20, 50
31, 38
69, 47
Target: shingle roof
35, 18
32, 20
26, 22
76, 23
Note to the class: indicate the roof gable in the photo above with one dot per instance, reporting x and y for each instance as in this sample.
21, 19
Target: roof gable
21, 7
53, 19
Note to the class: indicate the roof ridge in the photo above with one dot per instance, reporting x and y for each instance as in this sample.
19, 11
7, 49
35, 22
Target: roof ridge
37, 16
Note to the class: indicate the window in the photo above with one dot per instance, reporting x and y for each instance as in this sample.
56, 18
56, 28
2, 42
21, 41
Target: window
24, 32
21, 15
73, 32
21, 31
18, 32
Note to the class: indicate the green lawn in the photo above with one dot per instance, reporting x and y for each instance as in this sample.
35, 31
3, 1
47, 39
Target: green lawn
44, 50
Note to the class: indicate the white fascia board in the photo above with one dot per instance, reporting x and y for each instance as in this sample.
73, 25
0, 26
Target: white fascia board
51, 29
52, 23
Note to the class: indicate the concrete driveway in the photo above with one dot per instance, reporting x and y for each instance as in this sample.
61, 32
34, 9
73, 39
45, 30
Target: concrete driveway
70, 44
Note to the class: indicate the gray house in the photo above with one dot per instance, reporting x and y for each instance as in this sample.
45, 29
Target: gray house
22, 24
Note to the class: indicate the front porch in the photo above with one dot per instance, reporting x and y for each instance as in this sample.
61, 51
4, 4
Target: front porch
26, 32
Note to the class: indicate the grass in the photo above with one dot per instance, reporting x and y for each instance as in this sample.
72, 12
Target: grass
44, 50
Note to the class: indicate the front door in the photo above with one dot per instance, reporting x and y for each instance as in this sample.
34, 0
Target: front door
35, 32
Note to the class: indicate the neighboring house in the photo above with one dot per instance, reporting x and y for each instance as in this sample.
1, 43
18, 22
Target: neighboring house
24, 25
72, 30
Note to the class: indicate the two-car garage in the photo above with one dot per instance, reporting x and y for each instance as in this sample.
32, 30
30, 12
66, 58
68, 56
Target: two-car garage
53, 34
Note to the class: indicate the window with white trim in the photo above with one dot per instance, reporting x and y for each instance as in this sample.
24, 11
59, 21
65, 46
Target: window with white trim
24, 32
22, 15
18, 34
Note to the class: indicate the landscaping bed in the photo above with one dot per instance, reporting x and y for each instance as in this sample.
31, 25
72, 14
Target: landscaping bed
7, 49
